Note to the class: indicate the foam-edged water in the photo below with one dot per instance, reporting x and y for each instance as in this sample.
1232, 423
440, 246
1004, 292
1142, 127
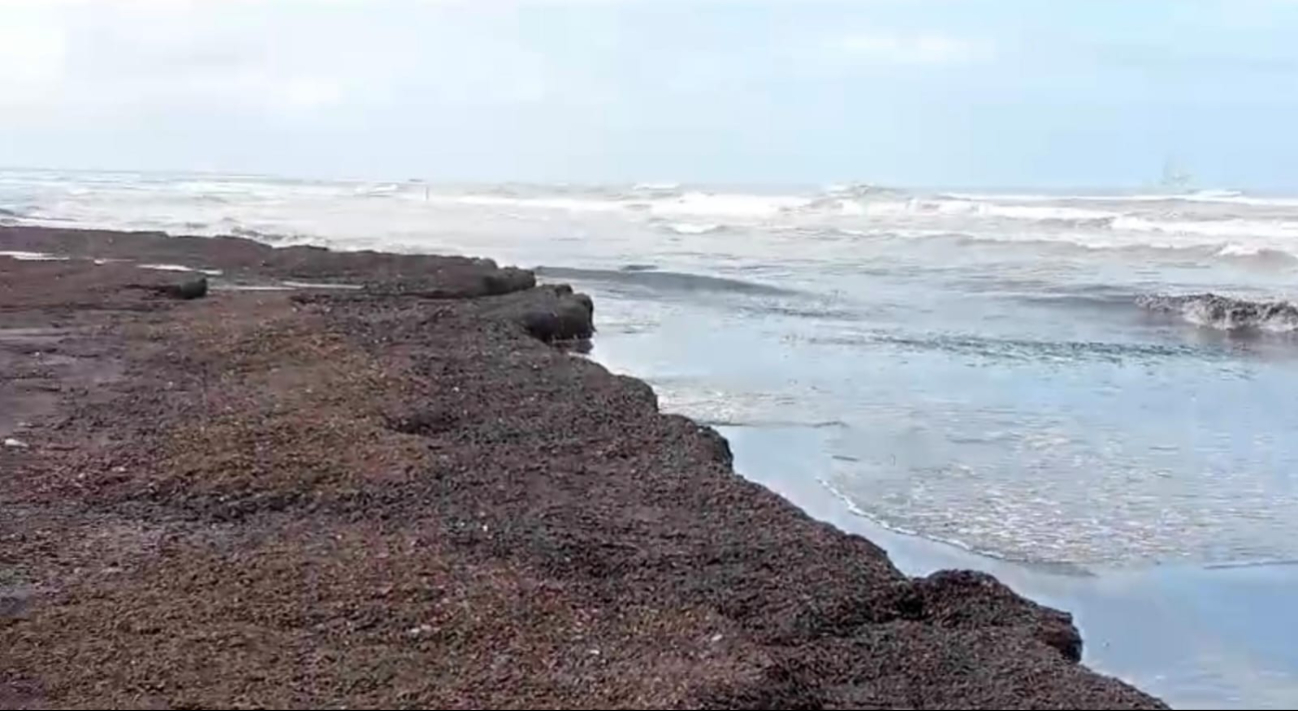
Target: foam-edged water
180, 268
23, 256
662, 281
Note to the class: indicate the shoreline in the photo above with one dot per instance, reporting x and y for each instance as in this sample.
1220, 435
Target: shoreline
291, 498
1196, 637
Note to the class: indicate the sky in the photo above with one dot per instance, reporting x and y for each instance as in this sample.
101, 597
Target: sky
1005, 93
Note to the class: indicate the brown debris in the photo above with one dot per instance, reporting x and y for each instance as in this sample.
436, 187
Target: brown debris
397, 497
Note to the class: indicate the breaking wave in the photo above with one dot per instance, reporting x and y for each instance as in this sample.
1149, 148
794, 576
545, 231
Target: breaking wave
1226, 313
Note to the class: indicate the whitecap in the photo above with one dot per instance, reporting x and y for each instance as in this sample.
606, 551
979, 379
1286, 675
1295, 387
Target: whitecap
689, 228
33, 256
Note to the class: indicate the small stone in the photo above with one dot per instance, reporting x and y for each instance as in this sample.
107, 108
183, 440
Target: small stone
716, 638
419, 631
192, 289
15, 443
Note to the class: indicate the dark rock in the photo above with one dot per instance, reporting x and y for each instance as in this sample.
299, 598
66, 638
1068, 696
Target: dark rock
186, 290
192, 289
565, 318
508, 281
587, 302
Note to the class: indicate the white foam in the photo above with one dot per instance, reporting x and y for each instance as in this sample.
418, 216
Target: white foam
33, 256
657, 187
1224, 196
1233, 249
692, 204
851, 208
737, 205
1035, 213
317, 285
540, 203
1279, 229
179, 268
688, 228
253, 287
970, 208
1201, 315
383, 189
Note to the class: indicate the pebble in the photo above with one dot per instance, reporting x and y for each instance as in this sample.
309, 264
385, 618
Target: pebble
15, 443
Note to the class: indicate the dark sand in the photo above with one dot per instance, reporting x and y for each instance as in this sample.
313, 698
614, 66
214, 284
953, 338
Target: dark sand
396, 496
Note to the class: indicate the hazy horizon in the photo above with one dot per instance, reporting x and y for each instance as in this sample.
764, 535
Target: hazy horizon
758, 187
953, 94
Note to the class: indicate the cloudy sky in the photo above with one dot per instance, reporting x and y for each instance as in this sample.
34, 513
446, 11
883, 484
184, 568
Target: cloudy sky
908, 92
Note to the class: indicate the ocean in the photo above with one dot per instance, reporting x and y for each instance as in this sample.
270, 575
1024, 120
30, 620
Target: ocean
1089, 393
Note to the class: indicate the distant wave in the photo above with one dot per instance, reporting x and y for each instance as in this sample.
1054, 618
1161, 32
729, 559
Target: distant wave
677, 205
1273, 250
1231, 197
1095, 298
1013, 349
1095, 223
662, 281
377, 190
858, 190
1256, 254
1264, 563
259, 236
1216, 224
1226, 313
1084, 225
761, 423
1038, 350
1282, 229
657, 187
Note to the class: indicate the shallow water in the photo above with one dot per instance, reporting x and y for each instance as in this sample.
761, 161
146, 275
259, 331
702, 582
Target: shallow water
997, 372
1196, 637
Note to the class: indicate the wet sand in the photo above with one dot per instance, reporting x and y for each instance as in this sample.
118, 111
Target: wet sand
398, 496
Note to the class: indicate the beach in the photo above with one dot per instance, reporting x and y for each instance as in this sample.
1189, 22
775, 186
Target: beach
363, 479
